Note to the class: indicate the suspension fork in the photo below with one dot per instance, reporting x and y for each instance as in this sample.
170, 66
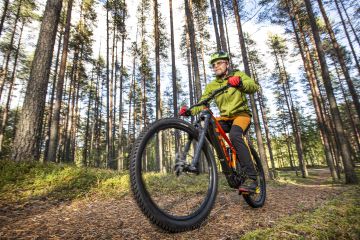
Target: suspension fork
181, 165
206, 116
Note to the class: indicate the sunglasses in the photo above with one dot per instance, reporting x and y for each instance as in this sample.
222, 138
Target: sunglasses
218, 63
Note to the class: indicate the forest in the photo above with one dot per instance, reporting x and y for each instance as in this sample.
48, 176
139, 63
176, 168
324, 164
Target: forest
81, 79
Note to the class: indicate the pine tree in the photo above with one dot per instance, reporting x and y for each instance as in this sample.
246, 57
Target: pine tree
55, 118
27, 139
349, 169
252, 100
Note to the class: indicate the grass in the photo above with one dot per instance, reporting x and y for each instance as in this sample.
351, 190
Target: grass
22, 181
31, 180
337, 219
290, 177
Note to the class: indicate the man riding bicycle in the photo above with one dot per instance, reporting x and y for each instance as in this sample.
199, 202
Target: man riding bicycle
235, 114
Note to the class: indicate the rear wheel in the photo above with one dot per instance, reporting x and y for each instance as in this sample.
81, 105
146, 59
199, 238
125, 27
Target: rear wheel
257, 199
174, 201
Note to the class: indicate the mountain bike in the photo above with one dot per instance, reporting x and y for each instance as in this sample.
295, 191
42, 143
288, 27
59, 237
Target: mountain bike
173, 172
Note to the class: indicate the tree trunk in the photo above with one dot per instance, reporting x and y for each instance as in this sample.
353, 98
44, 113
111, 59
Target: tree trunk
316, 101
5, 68
27, 140
334, 141
273, 173
203, 58
158, 90
284, 80
87, 127
120, 150
52, 97
55, 121
12, 82
173, 64
348, 167
348, 112
349, 21
227, 34
173, 73
3, 16
76, 115
252, 100
348, 37
295, 123
221, 26
194, 59
109, 117
217, 37
189, 71
69, 113
113, 93
341, 58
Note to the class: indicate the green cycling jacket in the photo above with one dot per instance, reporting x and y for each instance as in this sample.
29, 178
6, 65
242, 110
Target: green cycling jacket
233, 101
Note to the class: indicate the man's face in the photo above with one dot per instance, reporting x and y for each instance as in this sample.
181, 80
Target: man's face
220, 67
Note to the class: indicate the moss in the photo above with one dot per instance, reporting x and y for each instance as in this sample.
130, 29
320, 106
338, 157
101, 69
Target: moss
22, 181
337, 219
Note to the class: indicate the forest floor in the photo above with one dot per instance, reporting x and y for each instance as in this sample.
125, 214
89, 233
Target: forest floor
98, 217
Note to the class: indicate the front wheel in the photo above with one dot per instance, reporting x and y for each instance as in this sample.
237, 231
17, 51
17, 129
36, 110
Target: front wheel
173, 200
257, 199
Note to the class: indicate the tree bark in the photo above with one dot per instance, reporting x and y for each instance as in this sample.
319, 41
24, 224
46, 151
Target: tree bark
217, 37
52, 97
221, 26
349, 21
273, 173
188, 56
316, 101
109, 159
348, 167
5, 68
121, 151
252, 100
55, 120
12, 82
341, 58
348, 37
348, 112
227, 34
173, 64
195, 64
87, 126
3, 16
27, 140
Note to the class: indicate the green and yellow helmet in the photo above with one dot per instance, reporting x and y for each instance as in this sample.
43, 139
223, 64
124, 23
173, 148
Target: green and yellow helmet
219, 55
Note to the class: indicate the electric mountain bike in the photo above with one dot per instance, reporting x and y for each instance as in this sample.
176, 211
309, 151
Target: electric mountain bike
173, 172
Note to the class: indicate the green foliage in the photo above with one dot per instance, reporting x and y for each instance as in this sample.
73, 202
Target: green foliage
337, 219
290, 177
30, 180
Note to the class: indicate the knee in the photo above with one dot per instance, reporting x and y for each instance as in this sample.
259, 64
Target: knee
236, 133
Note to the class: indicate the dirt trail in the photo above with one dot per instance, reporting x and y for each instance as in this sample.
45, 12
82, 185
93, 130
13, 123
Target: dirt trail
121, 219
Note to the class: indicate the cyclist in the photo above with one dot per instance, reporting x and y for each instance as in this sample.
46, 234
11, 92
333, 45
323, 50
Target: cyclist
235, 114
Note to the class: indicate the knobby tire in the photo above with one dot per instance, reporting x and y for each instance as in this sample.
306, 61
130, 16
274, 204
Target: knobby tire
148, 207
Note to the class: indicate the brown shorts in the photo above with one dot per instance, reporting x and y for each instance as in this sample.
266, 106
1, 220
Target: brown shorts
242, 120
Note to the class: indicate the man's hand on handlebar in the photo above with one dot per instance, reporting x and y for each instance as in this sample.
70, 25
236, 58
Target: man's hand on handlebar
184, 111
235, 81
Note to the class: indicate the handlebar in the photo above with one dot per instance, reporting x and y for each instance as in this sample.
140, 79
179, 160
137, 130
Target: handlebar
212, 95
